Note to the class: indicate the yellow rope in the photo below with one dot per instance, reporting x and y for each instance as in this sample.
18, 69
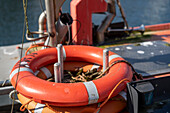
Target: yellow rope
22, 108
26, 18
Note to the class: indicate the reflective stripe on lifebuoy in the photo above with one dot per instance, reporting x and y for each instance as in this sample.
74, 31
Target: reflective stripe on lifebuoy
39, 108
68, 94
14, 72
45, 72
111, 57
92, 92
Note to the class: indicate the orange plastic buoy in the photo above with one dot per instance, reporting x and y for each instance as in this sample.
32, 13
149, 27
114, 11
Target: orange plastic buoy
69, 94
113, 106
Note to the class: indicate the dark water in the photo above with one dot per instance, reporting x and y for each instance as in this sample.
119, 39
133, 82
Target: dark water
12, 20
138, 12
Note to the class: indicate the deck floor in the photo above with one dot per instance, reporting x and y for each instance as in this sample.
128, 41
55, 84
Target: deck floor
147, 57
9, 55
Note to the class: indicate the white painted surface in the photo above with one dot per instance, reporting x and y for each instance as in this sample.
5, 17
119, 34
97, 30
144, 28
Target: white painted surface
140, 52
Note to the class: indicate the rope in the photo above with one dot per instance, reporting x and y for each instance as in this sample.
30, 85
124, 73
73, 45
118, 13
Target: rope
68, 27
51, 108
19, 67
119, 61
22, 108
123, 80
26, 18
13, 100
80, 76
73, 39
109, 96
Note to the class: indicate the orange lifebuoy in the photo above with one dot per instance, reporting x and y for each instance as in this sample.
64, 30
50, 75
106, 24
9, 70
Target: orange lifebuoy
68, 94
115, 105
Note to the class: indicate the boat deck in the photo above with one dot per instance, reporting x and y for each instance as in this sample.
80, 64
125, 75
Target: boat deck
150, 57
9, 55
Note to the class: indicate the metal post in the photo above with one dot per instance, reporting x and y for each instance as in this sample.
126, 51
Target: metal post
106, 22
42, 23
140, 29
60, 58
105, 59
57, 73
51, 21
61, 30
6, 90
122, 13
